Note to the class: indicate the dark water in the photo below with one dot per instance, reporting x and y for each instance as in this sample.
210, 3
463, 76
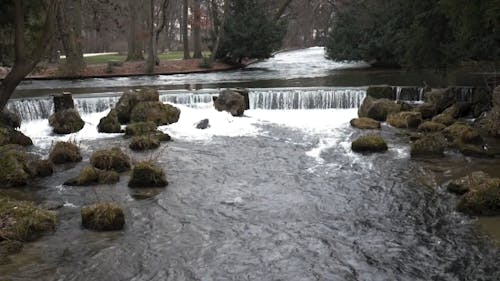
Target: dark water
276, 195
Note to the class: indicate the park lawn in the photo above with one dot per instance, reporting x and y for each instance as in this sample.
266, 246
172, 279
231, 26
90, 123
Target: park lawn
101, 59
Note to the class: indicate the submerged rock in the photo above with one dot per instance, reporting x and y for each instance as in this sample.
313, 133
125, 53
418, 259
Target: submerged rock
66, 122
369, 143
23, 221
92, 176
365, 123
230, 101
140, 128
130, 99
103, 217
111, 159
65, 152
203, 124
469, 182
405, 119
147, 174
144, 142
157, 112
428, 145
482, 200
109, 123
431, 127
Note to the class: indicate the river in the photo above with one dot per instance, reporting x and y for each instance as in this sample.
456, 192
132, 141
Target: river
275, 195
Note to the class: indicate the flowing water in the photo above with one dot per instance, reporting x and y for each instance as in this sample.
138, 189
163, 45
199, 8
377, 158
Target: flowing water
275, 195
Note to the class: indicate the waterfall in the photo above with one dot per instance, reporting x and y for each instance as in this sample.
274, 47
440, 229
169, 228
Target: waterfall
409, 93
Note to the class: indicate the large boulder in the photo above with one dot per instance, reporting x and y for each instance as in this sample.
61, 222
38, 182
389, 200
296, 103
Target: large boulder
140, 128
380, 92
441, 98
482, 200
92, 176
365, 123
230, 101
431, 127
462, 132
459, 109
40, 168
157, 112
130, 99
63, 102
66, 121
469, 182
489, 124
9, 119
14, 172
380, 109
369, 143
428, 110
245, 93
103, 217
365, 105
429, 145
11, 136
481, 101
405, 119
444, 118
147, 174
23, 221
111, 159
65, 152
109, 123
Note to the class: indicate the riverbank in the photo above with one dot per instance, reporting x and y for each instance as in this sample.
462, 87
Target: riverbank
128, 69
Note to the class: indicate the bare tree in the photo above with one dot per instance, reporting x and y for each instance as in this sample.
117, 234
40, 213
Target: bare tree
185, 38
227, 6
197, 29
134, 51
150, 62
69, 23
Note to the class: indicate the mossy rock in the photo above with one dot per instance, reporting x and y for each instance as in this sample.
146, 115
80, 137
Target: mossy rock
111, 159
9, 247
23, 221
103, 217
469, 182
380, 109
66, 122
473, 150
490, 123
459, 109
365, 123
462, 132
365, 105
147, 174
130, 99
9, 119
441, 98
431, 127
405, 119
89, 175
144, 142
444, 119
65, 152
483, 200
380, 92
162, 136
140, 128
430, 145
109, 123
40, 168
428, 110
157, 112
11, 136
369, 143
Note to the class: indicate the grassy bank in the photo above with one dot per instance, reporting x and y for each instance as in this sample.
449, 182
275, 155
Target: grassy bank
101, 59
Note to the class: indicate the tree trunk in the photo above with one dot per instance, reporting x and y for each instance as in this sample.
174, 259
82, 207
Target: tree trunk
150, 63
227, 6
134, 50
25, 62
185, 38
69, 23
164, 21
197, 30
282, 9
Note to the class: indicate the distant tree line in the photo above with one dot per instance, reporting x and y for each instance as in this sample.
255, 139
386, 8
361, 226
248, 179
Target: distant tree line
415, 34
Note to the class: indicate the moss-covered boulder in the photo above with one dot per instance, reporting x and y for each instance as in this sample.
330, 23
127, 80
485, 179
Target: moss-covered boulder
444, 119
40, 168
11, 136
473, 150
157, 112
462, 132
66, 121
441, 98
109, 123
380, 92
459, 109
380, 109
147, 174
103, 217
482, 200
405, 119
431, 127
365, 123
489, 124
140, 128
144, 142
369, 143
162, 136
365, 105
65, 152
230, 101
429, 145
428, 110
130, 99
9, 119
111, 159
89, 175
469, 182
13, 171
23, 221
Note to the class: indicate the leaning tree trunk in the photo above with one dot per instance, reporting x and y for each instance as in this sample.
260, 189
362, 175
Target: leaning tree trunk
150, 63
25, 61
185, 38
197, 30
134, 42
69, 23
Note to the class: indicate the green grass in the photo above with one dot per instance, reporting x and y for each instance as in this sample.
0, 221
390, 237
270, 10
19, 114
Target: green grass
102, 59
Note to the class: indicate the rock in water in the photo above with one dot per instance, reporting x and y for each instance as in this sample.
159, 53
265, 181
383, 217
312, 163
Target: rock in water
369, 143
428, 145
109, 123
482, 200
365, 123
230, 101
63, 102
157, 112
9, 119
103, 217
130, 99
65, 152
147, 174
203, 124
92, 176
380, 109
111, 159
469, 182
380, 92
66, 121
405, 119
